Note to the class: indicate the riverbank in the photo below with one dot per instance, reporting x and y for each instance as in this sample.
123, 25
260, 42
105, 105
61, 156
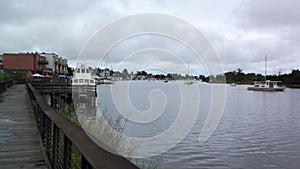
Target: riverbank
294, 86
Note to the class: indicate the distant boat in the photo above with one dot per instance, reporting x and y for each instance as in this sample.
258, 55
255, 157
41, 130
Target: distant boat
106, 76
267, 85
106, 81
82, 77
189, 81
232, 84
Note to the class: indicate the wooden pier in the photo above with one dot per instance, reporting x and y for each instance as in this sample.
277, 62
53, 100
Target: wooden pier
19, 140
34, 135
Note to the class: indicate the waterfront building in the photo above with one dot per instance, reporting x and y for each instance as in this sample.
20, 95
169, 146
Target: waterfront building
30, 62
57, 64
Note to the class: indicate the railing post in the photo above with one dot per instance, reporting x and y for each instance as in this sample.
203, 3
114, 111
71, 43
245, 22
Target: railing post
42, 127
85, 164
52, 99
55, 149
67, 152
48, 132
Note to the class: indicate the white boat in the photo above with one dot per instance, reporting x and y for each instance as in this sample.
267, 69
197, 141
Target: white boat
267, 85
82, 77
232, 84
189, 81
105, 81
101, 80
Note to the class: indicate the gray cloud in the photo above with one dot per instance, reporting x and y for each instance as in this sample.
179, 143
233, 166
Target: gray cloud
258, 28
242, 31
268, 14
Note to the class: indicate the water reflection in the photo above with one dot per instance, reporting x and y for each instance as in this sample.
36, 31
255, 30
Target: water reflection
84, 101
258, 129
107, 133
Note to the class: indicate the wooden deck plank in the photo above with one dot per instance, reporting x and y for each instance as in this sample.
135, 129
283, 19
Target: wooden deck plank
19, 140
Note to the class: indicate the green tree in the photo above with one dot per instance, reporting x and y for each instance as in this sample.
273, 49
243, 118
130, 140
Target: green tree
125, 73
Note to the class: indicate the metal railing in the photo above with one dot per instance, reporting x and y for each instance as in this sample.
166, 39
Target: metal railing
66, 145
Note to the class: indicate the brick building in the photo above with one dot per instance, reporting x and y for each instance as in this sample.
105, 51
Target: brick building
25, 61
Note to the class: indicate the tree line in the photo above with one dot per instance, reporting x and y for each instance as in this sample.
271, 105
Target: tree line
239, 77
236, 76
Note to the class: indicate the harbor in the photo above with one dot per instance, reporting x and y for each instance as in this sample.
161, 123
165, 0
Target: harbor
150, 84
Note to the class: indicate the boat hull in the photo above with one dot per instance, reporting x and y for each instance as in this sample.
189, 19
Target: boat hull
188, 83
105, 82
84, 87
280, 89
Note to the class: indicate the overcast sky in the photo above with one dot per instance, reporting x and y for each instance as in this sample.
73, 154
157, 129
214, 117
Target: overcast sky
241, 31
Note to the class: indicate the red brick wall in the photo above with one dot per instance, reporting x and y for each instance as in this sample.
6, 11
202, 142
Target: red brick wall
18, 61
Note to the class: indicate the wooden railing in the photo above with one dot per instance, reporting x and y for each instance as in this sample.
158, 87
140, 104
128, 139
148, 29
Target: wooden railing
4, 85
53, 81
66, 145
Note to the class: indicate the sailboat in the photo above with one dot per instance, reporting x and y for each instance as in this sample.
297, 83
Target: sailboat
189, 80
105, 76
267, 85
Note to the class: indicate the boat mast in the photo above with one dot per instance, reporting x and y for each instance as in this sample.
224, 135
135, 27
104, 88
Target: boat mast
189, 72
188, 68
265, 67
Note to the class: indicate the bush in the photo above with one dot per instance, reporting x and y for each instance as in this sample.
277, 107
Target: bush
12, 75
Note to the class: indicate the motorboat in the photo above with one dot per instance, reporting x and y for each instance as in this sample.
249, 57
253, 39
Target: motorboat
267, 85
189, 82
82, 77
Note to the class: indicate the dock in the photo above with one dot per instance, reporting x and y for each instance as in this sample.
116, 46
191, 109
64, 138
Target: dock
34, 135
19, 140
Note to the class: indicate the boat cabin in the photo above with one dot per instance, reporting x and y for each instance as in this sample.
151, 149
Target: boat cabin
82, 76
267, 85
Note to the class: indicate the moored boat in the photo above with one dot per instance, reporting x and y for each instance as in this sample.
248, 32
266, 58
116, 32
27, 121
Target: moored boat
267, 85
189, 80
105, 81
82, 77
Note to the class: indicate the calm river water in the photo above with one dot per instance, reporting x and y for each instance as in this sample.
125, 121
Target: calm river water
257, 129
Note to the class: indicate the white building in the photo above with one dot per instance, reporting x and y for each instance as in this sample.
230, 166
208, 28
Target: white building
57, 64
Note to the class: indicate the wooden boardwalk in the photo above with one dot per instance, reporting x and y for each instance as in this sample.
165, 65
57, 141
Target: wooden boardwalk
19, 141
